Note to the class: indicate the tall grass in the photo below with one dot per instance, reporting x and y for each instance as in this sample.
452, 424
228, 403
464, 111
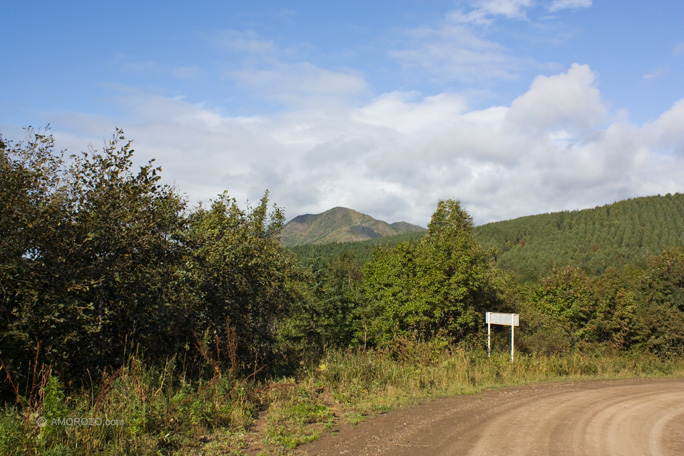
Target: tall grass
160, 410
137, 409
365, 382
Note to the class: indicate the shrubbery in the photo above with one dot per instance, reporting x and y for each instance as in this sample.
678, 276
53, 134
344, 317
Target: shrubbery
102, 266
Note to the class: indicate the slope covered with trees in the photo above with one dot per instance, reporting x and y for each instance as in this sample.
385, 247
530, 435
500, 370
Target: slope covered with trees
529, 247
593, 239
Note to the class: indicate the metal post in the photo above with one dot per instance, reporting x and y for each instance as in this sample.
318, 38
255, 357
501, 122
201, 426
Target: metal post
512, 341
489, 339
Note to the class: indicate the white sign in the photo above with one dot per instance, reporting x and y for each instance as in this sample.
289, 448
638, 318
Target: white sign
503, 319
494, 318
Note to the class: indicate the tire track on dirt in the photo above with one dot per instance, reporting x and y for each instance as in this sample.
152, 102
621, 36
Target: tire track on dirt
620, 417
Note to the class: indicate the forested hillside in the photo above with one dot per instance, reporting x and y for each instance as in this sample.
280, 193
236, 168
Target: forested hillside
360, 252
529, 247
594, 239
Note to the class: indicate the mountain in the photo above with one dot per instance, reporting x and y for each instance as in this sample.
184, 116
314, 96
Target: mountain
340, 225
595, 239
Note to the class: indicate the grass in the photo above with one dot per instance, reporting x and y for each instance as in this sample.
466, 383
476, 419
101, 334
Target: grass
359, 384
138, 410
163, 412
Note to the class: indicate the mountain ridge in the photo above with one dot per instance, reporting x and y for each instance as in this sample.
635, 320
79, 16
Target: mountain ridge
340, 224
595, 239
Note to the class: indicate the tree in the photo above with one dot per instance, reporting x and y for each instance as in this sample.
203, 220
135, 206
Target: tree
660, 315
327, 313
561, 309
88, 256
389, 285
239, 271
442, 284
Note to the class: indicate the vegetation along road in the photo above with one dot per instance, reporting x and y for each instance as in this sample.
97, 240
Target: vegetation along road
622, 417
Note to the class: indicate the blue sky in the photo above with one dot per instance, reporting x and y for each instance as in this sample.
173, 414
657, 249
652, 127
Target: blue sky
515, 107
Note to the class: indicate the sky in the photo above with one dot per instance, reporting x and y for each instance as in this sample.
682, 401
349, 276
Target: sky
512, 107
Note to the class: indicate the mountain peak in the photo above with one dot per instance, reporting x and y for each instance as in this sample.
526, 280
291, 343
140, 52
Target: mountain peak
339, 224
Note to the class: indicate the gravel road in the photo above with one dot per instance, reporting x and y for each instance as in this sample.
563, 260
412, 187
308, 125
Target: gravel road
620, 417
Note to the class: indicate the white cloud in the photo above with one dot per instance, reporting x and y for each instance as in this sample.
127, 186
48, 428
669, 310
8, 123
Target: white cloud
568, 101
300, 83
557, 5
485, 12
397, 155
655, 74
665, 133
278, 74
453, 51
507, 8
409, 113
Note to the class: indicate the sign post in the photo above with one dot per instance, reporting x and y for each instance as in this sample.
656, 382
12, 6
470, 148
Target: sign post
506, 319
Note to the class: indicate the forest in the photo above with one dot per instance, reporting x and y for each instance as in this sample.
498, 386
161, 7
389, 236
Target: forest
529, 247
117, 299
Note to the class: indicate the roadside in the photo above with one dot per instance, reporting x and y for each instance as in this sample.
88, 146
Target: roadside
349, 388
628, 417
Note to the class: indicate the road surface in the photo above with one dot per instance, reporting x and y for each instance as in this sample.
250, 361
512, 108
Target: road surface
611, 418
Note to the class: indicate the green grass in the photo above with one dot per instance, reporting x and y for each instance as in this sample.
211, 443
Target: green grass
296, 415
163, 412
359, 384
136, 410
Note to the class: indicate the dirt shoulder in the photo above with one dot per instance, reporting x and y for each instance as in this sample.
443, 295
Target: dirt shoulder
626, 417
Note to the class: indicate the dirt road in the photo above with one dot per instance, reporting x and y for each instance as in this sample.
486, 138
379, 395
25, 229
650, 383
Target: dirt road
623, 417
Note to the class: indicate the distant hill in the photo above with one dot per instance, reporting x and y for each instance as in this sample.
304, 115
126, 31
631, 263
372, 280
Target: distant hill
340, 225
594, 239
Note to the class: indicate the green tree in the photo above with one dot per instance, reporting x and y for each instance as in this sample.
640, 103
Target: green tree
239, 271
389, 284
99, 252
660, 315
92, 258
561, 312
442, 284
33, 210
327, 314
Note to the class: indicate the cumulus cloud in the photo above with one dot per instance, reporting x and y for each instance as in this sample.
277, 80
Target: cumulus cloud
567, 101
409, 112
555, 147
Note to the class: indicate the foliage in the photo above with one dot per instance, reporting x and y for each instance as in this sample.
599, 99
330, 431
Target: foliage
98, 258
594, 239
638, 307
240, 274
439, 285
88, 256
360, 252
328, 314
